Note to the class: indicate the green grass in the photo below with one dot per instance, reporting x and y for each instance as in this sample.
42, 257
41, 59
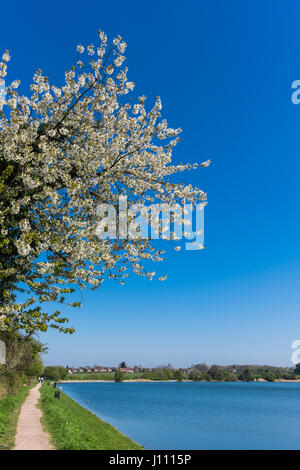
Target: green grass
9, 412
72, 427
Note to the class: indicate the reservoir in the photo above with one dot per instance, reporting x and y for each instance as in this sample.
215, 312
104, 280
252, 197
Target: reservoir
197, 415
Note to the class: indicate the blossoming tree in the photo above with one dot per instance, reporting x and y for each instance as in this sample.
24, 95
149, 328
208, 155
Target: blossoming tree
64, 150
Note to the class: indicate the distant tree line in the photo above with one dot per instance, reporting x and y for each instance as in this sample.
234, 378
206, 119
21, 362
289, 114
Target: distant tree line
197, 372
245, 373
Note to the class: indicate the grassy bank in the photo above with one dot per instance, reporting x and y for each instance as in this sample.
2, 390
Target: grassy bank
9, 413
72, 427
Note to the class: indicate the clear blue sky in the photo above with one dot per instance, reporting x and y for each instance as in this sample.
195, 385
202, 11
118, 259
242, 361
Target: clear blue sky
224, 71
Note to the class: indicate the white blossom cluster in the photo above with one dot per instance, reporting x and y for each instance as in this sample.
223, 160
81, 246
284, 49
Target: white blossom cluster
63, 151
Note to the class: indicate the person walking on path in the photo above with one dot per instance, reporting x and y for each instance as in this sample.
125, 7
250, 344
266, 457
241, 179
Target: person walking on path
30, 434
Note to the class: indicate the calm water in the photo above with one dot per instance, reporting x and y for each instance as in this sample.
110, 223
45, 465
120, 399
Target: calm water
197, 415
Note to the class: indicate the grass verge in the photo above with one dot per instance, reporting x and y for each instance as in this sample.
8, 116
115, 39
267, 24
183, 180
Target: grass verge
72, 427
9, 413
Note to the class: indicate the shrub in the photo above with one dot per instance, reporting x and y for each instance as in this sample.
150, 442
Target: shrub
22, 361
55, 373
118, 376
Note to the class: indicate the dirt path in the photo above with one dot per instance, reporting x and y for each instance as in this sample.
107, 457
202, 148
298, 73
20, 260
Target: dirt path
30, 433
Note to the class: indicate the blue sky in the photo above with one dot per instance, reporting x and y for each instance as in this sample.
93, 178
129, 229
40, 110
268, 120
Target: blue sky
224, 71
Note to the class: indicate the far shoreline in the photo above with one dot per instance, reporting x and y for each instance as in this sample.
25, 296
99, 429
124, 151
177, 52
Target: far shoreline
113, 381
175, 381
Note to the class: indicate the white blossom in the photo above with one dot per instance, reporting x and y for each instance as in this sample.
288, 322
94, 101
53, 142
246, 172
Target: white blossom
65, 149
206, 163
80, 49
6, 56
